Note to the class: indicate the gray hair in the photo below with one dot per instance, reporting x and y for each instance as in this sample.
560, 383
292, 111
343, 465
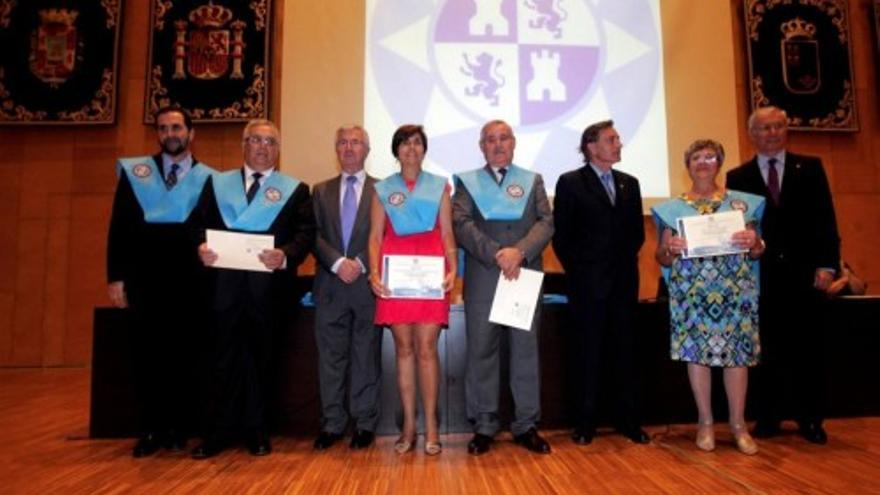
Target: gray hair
493, 123
257, 123
764, 111
354, 127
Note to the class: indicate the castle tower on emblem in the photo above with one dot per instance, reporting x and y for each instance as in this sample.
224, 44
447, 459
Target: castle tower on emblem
488, 20
545, 67
210, 46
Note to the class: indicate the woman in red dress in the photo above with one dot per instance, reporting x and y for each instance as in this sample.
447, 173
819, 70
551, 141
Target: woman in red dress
415, 323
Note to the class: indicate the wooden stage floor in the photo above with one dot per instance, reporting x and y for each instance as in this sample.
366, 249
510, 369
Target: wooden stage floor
45, 449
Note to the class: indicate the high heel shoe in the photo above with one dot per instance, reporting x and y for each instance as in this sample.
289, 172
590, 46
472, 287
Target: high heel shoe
404, 445
706, 437
744, 441
433, 448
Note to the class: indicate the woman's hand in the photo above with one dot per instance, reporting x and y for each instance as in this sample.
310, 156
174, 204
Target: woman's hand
677, 245
449, 281
379, 289
745, 239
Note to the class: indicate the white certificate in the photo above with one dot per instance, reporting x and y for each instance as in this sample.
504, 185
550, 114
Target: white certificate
516, 300
710, 235
239, 251
414, 277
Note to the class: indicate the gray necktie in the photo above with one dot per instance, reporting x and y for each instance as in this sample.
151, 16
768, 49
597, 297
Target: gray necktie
349, 209
608, 182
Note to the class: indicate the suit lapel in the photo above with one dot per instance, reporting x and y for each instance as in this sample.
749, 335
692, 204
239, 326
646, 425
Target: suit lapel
333, 210
790, 176
363, 213
594, 185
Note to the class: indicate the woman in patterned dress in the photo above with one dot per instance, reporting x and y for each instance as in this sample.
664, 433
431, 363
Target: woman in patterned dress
412, 215
713, 300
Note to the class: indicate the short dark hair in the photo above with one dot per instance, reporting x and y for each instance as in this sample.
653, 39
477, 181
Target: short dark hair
405, 132
591, 135
187, 120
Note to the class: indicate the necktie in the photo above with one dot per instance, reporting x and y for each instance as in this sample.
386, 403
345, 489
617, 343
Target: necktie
171, 180
349, 210
255, 186
773, 180
608, 182
502, 172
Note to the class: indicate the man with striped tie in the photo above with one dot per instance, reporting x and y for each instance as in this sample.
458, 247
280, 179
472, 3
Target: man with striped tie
153, 270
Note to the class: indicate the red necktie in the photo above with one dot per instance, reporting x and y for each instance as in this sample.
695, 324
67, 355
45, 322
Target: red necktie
773, 180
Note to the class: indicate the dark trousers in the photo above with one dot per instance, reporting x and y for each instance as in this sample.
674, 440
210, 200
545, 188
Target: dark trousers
163, 353
791, 368
603, 337
243, 360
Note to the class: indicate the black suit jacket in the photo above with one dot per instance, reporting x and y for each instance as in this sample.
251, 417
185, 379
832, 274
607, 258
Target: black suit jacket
801, 232
328, 241
152, 259
294, 231
598, 243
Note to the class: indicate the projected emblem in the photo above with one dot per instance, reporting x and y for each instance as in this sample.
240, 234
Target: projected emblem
527, 62
547, 67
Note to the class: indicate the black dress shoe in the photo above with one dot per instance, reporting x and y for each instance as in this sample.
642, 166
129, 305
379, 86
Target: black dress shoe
361, 439
814, 433
258, 444
175, 441
635, 434
210, 447
480, 444
326, 440
532, 441
766, 429
146, 445
583, 435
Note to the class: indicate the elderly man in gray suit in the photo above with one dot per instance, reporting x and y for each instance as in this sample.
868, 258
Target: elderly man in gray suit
349, 345
502, 219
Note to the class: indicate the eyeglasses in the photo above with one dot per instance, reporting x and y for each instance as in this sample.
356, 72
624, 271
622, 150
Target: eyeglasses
710, 159
258, 140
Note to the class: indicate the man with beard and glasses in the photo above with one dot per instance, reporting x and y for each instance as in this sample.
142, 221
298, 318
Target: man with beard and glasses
153, 270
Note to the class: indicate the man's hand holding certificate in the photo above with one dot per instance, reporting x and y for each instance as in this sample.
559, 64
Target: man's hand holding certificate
712, 235
414, 277
238, 251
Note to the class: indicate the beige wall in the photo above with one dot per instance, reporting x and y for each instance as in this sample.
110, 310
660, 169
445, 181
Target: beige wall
57, 183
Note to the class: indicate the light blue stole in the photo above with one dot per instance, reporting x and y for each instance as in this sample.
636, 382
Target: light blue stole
666, 215
160, 204
261, 212
505, 201
411, 212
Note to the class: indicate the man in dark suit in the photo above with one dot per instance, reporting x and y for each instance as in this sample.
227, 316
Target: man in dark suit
503, 221
349, 345
803, 249
153, 270
249, 306
599, 231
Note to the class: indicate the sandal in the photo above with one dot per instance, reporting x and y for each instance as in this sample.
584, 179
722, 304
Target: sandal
404, 445
706, 437
433, 448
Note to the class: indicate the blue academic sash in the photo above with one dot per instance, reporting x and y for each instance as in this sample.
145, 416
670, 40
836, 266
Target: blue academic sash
666, 215
412, 212
160, 204
505, 201
261, 212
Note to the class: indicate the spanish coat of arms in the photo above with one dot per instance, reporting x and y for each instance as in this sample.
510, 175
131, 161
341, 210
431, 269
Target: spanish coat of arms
209, 57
